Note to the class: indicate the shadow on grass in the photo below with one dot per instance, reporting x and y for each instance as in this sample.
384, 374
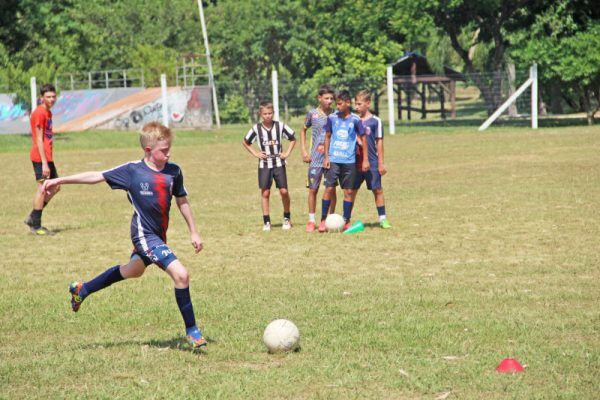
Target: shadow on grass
175, 343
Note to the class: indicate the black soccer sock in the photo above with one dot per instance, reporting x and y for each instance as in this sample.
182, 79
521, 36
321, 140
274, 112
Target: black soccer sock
287, 215
104, 280
184, 301
36, 218
266, 219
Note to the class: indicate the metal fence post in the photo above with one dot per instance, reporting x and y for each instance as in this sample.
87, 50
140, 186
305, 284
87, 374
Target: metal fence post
165, 107
275, 95
33, 94
390, 97
533, 75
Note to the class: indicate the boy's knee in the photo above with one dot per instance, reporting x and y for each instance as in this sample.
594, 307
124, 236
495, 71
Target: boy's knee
283, 191
265, 193
182, 277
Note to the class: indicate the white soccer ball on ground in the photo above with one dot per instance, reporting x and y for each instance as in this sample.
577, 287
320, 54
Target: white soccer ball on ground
334, 222
281, 335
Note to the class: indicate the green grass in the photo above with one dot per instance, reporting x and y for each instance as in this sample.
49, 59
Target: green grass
493, 254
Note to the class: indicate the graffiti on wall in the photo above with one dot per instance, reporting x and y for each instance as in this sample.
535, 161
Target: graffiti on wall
8, 110
73, 104
188, 108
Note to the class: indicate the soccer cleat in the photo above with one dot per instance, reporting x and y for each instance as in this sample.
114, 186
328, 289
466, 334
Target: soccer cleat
310, 226
76, 300
347, 225
287, 224
195, 339
41, 231
267, 227
322, 227
29, 221
385, 224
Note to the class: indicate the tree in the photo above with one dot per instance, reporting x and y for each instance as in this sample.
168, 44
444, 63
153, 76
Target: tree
565, 43
475, 23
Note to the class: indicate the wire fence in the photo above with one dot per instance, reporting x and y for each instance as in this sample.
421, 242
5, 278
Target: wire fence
467, 98
423, 98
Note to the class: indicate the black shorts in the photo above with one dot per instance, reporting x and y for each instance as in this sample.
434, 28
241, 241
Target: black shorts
267, 175
345, 173
37, 169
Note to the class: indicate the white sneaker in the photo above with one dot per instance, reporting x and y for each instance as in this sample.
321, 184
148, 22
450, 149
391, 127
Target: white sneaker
267, 227
287, 224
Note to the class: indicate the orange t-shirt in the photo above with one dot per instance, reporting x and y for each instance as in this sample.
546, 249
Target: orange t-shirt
41, 118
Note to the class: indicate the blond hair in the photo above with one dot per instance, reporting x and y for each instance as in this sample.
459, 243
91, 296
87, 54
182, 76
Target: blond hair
152, 132
363, 95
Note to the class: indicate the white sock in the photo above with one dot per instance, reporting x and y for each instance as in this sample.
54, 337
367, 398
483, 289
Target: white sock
311, 217
381, 217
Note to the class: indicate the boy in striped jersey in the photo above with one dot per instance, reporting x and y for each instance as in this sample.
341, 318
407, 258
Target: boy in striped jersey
151, 184
374, 134
271, 160
316, 119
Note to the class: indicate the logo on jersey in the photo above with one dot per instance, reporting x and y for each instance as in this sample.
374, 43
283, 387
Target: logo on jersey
145, 186
342, 134
270, 142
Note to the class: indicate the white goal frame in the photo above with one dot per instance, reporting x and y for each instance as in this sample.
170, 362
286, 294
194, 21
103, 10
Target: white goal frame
533, 82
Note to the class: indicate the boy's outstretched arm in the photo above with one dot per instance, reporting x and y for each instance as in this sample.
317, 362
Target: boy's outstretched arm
186, 211
89, 178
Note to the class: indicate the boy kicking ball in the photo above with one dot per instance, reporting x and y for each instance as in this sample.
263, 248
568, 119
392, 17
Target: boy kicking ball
150, 184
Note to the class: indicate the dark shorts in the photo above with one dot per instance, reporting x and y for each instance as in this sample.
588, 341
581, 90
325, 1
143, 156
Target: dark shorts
372, 177
315, 174
160, 255
267, 175
344, 173
37, 169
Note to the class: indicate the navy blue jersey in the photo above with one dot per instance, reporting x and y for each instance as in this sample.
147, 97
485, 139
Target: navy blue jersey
344, 132
150, 192
374, 131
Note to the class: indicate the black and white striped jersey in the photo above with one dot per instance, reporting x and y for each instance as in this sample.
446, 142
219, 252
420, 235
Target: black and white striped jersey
269, 141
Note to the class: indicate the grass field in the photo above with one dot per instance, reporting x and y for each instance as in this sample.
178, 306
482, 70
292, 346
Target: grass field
493, 254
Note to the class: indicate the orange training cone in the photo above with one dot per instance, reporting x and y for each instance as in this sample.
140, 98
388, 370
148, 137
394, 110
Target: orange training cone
509, 365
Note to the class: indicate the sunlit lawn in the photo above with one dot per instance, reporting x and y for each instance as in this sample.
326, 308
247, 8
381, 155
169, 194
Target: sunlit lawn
493, 254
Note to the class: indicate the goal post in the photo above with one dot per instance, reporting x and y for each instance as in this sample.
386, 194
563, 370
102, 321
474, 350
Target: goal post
533, 82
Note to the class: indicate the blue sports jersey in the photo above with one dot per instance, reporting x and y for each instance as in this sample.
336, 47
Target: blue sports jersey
344, 131
150, 192
373, 130
317, 121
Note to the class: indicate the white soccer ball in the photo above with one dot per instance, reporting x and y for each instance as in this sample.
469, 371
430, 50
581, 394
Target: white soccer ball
334, 222
281, 335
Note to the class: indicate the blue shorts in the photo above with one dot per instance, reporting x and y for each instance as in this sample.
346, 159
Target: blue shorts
160, 255
372, 177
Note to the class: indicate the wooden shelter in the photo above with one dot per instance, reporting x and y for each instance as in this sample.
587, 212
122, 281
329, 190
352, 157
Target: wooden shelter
414, 79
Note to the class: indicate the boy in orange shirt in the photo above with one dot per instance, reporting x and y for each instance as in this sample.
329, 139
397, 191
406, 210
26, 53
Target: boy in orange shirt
41, 158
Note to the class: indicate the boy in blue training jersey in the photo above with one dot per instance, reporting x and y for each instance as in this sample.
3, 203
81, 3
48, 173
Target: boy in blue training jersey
342, 131
374, 136
316, 119
151, 184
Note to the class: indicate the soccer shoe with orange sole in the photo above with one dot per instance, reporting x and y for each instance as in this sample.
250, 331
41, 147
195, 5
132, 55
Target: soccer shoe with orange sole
76, 299
194, 338
310, 226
